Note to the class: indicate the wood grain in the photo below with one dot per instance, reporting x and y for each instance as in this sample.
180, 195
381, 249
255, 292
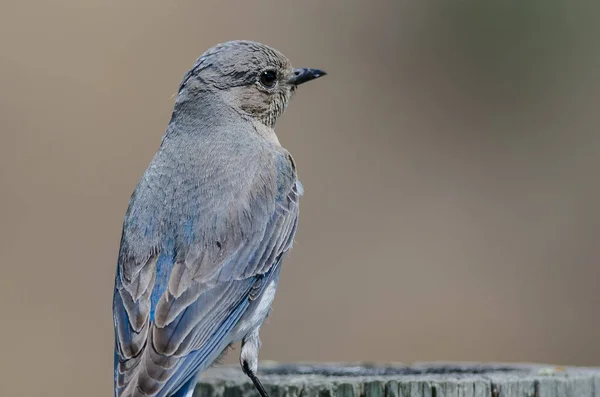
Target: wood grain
398, 380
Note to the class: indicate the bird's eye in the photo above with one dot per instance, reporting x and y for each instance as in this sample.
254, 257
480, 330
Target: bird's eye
268, 78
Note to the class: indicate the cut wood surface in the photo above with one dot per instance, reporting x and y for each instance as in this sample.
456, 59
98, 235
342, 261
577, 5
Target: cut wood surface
398, 380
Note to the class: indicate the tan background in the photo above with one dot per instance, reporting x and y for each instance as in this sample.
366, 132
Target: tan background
450, 160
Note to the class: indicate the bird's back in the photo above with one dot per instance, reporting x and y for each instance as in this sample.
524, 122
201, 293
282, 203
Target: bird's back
210, 218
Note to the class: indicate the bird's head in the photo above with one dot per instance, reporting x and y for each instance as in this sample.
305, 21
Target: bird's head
250, 77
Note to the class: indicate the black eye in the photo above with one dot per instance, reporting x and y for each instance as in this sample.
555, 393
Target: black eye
268, 78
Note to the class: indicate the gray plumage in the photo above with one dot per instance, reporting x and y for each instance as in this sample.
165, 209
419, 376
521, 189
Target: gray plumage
208, 224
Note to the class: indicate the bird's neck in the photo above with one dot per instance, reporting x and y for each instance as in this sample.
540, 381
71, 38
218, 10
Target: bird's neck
206, 111
199, 106
266, 132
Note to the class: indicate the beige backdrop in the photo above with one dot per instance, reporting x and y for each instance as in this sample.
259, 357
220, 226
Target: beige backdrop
450, 160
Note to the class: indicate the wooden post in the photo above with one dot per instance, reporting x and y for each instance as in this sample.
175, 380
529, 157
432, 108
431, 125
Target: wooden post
397, 380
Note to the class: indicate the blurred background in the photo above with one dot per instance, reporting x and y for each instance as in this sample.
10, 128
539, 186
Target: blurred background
450, 161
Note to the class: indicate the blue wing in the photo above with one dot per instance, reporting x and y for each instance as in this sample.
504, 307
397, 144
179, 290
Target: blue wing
180, 293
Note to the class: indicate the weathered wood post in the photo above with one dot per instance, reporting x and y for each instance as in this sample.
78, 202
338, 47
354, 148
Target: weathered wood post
397, 380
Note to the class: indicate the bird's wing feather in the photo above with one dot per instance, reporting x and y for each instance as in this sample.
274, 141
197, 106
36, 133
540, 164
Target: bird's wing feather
180, 293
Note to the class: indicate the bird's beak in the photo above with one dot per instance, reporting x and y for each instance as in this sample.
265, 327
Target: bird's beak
303, 75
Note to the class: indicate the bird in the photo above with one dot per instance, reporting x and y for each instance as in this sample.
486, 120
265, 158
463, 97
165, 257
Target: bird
208, 225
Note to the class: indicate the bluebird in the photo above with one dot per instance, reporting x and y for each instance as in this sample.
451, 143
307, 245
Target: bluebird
208, 225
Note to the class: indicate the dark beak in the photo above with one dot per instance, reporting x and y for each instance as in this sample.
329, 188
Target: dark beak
305, 74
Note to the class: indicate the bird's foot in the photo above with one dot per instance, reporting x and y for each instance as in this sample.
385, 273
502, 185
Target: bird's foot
254, 379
